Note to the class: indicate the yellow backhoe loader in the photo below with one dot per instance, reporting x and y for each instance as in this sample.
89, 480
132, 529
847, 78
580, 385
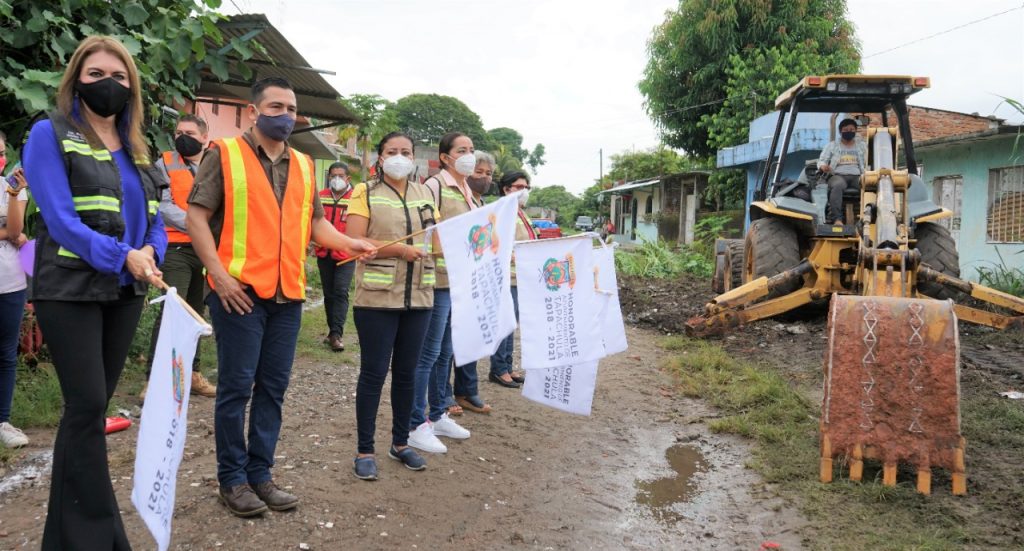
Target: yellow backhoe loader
892, 273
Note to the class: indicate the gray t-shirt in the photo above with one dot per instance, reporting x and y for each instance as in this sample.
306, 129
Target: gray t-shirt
848, 163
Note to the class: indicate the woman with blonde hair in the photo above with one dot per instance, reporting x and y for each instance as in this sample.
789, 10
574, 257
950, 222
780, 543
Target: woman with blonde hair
99, 242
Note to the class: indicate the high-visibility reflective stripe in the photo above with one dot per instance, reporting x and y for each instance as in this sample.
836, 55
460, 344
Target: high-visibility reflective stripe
307, 204
378, 278
239, 207
429, 278
84, 149
64, 252
452, 194
153, 207
96, 202
396, 203
439, 262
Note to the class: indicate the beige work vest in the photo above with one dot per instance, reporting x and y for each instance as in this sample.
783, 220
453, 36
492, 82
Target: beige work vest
393, 283
451, 203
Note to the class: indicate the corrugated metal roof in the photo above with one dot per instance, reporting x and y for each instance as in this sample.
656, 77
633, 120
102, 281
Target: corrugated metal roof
316, 97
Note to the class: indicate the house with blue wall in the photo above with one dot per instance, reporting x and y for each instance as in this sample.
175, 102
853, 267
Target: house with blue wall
972, 163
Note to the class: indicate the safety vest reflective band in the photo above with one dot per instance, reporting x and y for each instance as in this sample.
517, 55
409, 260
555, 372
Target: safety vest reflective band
80, 148
263, 243
153, 206
96, 202
66, 253
182, 181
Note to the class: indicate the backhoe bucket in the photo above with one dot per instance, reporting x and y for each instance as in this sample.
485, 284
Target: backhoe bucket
892, 390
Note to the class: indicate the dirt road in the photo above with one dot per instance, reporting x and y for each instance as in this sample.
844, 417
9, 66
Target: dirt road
529, 477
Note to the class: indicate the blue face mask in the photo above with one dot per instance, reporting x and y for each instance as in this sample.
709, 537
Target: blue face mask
277, 127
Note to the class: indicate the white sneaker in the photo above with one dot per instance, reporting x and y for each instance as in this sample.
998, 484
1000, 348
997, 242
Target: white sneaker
424, 439
446, 427
12, 437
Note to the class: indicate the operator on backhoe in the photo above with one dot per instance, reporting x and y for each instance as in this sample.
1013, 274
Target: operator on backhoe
844, 160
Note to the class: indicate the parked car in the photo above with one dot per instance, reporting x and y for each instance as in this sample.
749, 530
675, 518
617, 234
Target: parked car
545, 228
584, 223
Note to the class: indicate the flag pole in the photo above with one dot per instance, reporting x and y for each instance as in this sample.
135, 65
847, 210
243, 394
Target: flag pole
161, 284
388, 244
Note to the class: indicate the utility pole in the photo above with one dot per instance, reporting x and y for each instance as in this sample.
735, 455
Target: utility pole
600, 156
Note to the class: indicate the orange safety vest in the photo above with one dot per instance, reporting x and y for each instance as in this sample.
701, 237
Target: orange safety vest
182, 180
263, 243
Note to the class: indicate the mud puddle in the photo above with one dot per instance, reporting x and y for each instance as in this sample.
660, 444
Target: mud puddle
662, 496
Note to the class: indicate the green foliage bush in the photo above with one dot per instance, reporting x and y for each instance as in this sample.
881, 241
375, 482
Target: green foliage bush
1002, 277
656, 259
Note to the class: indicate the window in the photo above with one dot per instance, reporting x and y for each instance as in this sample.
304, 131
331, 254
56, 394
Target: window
216, 108
649, 208
238, 116
1006, 205
948, 193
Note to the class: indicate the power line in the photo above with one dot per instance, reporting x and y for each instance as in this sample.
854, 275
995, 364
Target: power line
236, 7
940, 33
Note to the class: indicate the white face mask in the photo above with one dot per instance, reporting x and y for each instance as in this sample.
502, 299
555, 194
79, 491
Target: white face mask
524, 197
466, 164
338, 183
398, 166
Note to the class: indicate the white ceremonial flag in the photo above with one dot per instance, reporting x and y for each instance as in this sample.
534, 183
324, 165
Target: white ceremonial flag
164, 418
613, 329
477, 249
558, 308
569, 388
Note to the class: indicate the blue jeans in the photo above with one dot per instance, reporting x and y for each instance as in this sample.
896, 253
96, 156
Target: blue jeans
466, 380
430, 384
254, 358
501, 360
12, 307
386, 337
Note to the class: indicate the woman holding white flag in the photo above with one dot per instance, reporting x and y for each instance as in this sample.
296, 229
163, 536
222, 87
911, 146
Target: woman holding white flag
501, 361
97, 248
453, 196
394, 296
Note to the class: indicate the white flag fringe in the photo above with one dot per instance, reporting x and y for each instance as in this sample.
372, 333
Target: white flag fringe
557, 303
569, 388
165, 417
477, 249
613, 329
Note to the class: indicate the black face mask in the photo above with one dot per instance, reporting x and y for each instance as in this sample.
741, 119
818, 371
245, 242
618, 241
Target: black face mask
848, 135
478, 185
187, 145
104, 97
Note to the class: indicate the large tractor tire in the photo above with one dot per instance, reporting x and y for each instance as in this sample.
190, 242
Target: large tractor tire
938, 251
771, 247
728, 265
734, 262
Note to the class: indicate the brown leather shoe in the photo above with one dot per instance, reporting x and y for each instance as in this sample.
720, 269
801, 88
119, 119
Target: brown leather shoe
275, 498
203, 387
242, 501
335, 342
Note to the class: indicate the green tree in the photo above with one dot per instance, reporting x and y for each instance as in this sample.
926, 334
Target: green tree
536, 157
753, 80
377, 118
427, 117
637, 165
512, 142
692, 51
557, 198
170, 41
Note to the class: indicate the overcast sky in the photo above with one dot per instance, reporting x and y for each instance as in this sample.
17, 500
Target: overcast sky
564, 73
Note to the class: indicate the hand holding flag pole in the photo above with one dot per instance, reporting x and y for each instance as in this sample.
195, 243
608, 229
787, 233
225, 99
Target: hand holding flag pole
161, 284
388, 244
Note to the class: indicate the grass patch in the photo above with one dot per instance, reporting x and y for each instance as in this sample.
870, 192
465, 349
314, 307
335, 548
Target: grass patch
656, 259
1002, 276
759, 403
37, 397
